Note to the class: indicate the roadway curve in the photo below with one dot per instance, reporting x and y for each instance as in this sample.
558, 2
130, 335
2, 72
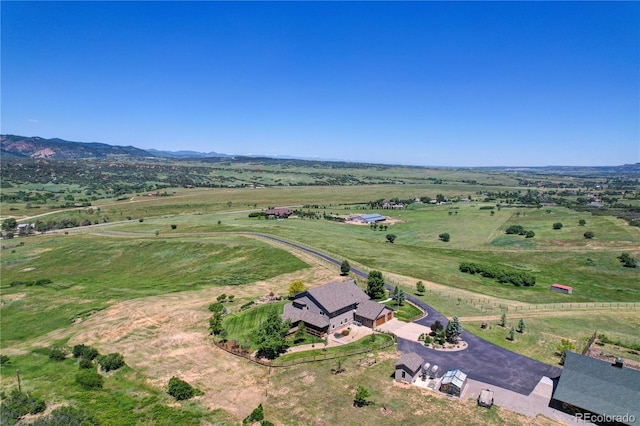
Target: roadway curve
482, 361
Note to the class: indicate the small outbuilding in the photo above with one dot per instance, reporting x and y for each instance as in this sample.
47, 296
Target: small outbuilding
562, 288
279, 213
453, 382
369, 218
408, 367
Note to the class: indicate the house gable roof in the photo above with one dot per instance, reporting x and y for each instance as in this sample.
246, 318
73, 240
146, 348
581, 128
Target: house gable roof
411, 361
599, 387
337, 295
370, 310
308, 317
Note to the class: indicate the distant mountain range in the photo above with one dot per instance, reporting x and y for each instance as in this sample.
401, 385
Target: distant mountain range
13, 146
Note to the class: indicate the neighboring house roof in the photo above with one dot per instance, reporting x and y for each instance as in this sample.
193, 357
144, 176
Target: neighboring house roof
564, 287
370, 310
411, 361
455, 377
308, 317
598, 386
372, 217
337, 295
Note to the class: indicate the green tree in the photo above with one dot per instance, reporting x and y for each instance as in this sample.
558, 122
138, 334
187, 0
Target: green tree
521, 326
179, 389
420, 289
398, 295
589, 235
565, 345
9, 224
512, 334
453, 331
375, 285
345, 268
582, 222
529, 234
444, 237
215, 322
503, 320
362, 394
221, 298
270, 335
89, 379
296, 287
301, 332
557, 225
391, 238
57, 354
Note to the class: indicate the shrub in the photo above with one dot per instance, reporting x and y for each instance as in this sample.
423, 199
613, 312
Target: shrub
444, 237
589, 235
89, 379
529, 234
57, 354
427, 340
19, 404
111, 362
174, 226
557, 225
85, 363
217, 307
515, 229
257, 415
179, 389
4, 359
66, 416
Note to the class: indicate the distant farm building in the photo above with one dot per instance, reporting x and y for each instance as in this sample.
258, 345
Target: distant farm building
408, 368
591, 388
562, 288
279, 213
369, 218
453, 382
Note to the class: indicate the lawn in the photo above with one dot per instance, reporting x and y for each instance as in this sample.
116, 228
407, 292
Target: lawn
337, 351
241, 326
406, 312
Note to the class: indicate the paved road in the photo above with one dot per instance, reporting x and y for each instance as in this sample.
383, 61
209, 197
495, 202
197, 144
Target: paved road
482, 361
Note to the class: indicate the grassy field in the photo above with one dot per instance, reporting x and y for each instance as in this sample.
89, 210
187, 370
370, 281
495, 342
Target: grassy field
89, 273
96, 271
544, 333
338, 351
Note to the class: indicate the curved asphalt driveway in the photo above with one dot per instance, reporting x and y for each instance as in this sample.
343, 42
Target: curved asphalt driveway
482, 361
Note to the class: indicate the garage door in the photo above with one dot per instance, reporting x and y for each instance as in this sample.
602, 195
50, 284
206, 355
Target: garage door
380, 320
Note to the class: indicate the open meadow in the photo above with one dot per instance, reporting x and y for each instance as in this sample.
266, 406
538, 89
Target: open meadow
139, 283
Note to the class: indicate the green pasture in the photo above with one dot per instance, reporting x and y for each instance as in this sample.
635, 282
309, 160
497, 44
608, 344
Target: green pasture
124, 400
553, 256
90, 272
543, 334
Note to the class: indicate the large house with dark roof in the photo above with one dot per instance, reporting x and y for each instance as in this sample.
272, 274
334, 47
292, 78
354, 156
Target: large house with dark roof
335, 305
597, 391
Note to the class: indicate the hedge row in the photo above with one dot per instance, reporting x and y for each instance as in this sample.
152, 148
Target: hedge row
516, 278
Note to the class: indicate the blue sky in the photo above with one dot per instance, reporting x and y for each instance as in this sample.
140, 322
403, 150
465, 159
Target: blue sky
420, 83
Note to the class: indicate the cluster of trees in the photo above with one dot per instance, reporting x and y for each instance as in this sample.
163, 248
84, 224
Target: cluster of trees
17, 405
519, 230
628, 261
333, 217
256, 416
516, 278
375, 226
215, 322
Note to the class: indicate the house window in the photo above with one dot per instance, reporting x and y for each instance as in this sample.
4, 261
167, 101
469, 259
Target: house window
403, 374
